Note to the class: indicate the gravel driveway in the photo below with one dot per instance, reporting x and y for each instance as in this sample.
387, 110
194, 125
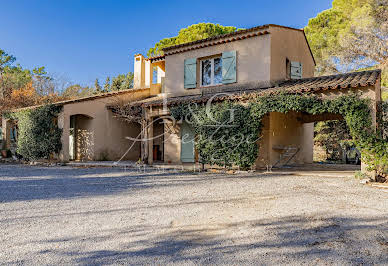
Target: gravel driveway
112, 216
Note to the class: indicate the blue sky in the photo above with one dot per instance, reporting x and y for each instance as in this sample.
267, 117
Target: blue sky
84, 40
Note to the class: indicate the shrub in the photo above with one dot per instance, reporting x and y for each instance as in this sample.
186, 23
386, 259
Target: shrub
39, 135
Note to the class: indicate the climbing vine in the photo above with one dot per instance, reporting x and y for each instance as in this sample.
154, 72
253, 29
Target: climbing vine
39, 136
222, 145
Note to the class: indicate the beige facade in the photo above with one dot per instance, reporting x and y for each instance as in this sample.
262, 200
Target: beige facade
262, 56
98, 133
292, 45
253, 63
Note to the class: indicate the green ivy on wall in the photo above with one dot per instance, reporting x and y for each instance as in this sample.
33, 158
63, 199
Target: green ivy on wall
220, 146
39, 135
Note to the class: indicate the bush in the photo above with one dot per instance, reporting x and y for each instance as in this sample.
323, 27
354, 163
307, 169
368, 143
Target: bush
225, 134
39, 135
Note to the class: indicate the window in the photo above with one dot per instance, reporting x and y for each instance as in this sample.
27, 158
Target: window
211, 71
155, 75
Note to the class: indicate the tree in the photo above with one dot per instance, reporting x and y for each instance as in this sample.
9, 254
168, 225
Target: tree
43, 83
128, 82
97, 86
107, 84
122, 82
351, 35
330, 135
117, 82
5, 60
77, 91
191, 33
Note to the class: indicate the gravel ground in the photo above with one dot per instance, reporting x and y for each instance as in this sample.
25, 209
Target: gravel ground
112, 216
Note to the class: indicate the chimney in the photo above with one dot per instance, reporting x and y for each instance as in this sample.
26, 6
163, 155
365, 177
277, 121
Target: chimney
139, 72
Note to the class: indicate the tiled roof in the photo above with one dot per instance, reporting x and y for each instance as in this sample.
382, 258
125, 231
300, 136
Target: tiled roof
156, 58
306, 85
88, 98
340, 81
232, 34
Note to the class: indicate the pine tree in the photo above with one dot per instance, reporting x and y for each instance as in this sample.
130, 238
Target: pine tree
107, 84
97, 86
128, 82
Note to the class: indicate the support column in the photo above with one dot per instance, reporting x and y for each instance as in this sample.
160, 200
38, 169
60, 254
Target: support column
144, 141
64, 124
150, 133
6, 126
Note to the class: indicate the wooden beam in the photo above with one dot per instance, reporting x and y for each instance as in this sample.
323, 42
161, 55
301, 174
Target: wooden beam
307, 118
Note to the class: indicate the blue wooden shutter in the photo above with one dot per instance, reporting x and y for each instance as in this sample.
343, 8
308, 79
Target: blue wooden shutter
296, 70
190, 73
229, 67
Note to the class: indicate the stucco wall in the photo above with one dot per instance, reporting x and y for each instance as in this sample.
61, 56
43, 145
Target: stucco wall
253, 62
291, 44
109, 133
281, 131
172, 143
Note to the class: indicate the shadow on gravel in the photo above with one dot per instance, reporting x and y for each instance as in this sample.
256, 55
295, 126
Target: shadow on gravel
294, 240
23, 183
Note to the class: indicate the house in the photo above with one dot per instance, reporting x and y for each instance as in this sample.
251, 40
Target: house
263, 59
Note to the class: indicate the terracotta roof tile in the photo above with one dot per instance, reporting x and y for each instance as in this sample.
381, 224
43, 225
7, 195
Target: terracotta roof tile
306, 85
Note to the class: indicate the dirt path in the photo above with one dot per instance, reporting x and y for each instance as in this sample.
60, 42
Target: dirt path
106, 216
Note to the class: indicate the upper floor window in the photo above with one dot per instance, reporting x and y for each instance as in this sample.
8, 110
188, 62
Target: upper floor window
155, 75
211, 71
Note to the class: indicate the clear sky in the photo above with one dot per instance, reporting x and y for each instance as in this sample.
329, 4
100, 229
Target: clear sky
84, 40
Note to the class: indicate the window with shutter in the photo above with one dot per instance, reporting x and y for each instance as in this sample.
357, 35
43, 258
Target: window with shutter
190, 73
296, 70
229, 67
211, 71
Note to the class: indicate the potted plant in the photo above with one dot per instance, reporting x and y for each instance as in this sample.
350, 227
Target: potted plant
4, 152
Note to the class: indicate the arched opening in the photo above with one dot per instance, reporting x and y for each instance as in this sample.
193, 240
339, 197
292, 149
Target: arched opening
81, 138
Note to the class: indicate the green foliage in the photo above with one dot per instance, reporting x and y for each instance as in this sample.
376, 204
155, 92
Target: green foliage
122, 82
383, 120
119, 82
191, 33
39, 135
248, 121
349, 36
77, 91
107, 84
384, 95
5, 60
361, 175
225, 136
331, 135
97, 86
